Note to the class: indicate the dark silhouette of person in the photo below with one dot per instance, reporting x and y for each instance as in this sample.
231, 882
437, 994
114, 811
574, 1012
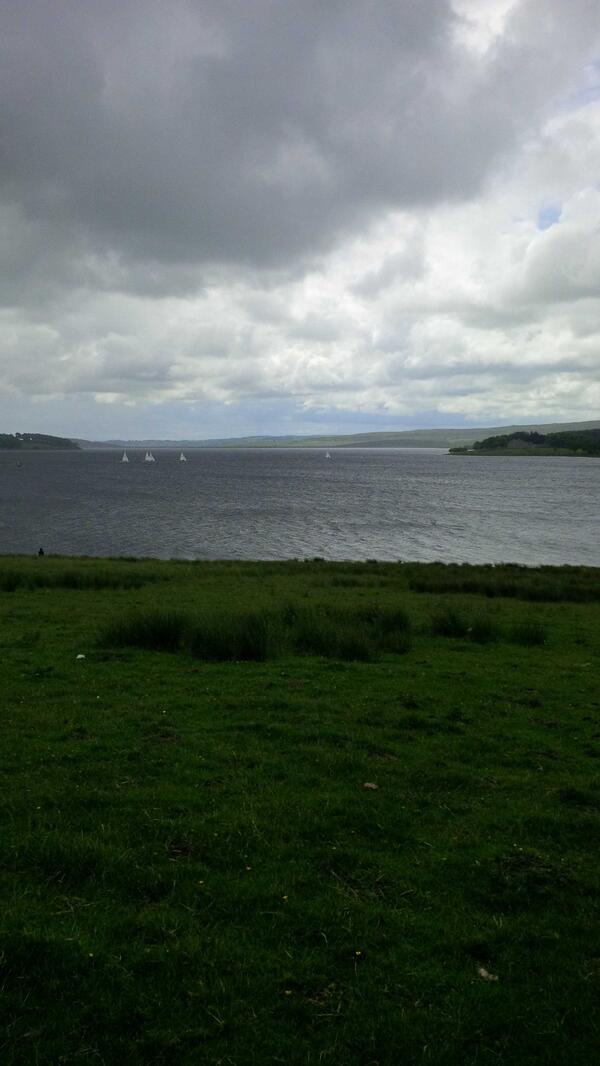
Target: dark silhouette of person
41, 551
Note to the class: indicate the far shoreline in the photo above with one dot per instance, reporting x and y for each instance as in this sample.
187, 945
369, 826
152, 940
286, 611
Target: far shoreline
542, 453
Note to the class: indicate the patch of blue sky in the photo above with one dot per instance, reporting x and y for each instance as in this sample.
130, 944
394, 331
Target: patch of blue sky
548, 215
586, 96
588, 92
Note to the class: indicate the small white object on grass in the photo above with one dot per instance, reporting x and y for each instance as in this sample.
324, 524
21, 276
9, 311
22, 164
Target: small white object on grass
80, 656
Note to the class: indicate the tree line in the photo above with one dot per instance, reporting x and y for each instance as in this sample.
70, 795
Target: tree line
34, 441
580, 440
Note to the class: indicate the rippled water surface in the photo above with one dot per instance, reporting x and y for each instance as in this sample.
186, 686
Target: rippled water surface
282, 503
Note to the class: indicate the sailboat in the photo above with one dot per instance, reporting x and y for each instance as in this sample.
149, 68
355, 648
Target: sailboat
182, 458
327, 455
149, 458
125, 458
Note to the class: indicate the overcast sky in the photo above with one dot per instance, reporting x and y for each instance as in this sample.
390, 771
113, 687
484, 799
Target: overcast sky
221, 217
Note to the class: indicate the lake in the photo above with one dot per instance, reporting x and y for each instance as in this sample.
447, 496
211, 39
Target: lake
383, 503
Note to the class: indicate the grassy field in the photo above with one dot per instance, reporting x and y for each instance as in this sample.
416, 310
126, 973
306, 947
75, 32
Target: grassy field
300, 813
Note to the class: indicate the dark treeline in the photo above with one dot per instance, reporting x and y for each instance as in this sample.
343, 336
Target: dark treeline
587, 441
34, 441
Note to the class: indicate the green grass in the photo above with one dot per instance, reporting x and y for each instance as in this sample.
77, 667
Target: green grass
543, 584
46, 574
193, 869
226, 636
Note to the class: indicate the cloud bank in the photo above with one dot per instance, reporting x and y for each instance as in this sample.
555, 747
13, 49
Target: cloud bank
285, 216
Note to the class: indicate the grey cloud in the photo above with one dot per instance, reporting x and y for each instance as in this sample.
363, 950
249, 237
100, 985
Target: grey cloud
43, 262
211, 201
213, 131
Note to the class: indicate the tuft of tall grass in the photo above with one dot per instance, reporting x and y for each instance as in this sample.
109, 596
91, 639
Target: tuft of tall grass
338, 633
156, 630
349, 633
330, 634
354, 645
342, 582
385, 619
390, 627
10, 580
483, 630
448, 623
510, 580
310, 632
256, 636
529, 633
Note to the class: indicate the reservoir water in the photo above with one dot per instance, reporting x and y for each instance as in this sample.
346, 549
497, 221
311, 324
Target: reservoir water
388, 504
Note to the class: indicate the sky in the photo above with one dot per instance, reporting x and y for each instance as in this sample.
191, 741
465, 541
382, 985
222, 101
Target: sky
230, 217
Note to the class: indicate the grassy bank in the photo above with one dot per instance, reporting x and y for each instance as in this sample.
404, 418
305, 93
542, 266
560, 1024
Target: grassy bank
299, 813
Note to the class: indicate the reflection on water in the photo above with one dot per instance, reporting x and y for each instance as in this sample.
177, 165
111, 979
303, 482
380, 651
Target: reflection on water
283, 503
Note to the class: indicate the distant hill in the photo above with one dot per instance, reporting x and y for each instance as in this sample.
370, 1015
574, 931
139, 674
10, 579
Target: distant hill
410, 438
571, 442
35, 442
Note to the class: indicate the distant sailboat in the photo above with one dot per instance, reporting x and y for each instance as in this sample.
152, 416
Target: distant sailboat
149, 458
327, 455
182, 458
125, 458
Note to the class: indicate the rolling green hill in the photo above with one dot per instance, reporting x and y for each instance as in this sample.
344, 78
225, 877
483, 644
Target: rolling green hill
411, 438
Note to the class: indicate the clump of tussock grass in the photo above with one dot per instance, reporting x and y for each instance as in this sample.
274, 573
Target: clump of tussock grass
156, 630
358, 634
74, 579
390, 627
385, 619
256, 636
354, 646
483, 630
11, 580
349, 634
447, 622
218, 637
577, 797
341, 582
510, 580
529, 633
519, 880
331, 634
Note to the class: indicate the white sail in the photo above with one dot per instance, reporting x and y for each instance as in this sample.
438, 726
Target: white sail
327, 455
182, 458
125, 458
